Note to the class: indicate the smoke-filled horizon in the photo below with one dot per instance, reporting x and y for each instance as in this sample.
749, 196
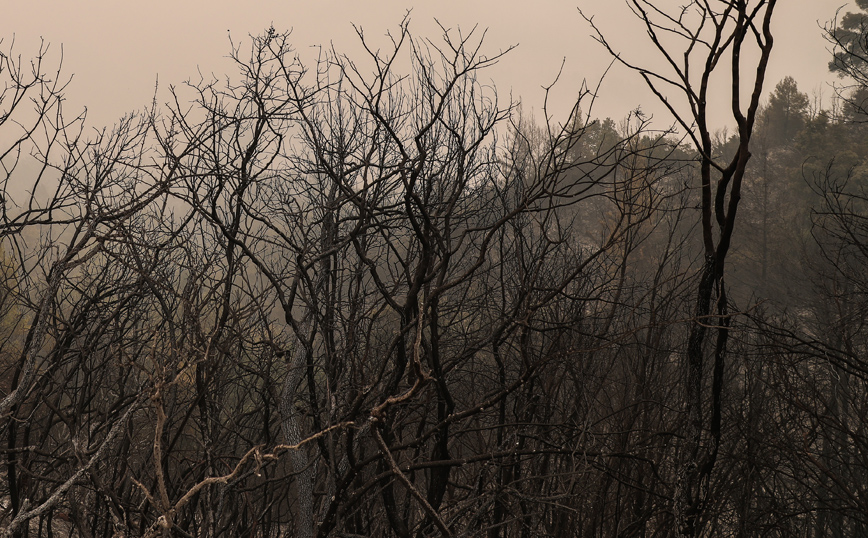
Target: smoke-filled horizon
118, 53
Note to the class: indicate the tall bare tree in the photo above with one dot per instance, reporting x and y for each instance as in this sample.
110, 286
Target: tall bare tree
712, 36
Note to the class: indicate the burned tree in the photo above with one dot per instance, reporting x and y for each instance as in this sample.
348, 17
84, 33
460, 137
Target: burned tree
711, 37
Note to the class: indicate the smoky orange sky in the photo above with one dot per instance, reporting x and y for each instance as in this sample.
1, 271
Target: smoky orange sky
117, 50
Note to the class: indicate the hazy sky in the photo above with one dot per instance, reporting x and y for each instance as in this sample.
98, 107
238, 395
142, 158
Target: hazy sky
117, 49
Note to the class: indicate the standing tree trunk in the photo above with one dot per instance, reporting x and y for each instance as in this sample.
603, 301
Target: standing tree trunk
715, 35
